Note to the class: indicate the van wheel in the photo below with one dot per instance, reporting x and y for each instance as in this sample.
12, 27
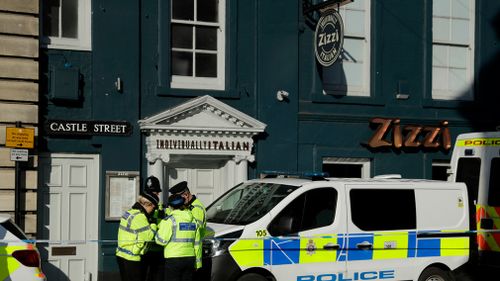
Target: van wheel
435, 274
252, 277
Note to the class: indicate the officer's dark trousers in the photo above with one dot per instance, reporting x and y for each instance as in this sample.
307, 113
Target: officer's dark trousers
179, 269
131, 270
155, 263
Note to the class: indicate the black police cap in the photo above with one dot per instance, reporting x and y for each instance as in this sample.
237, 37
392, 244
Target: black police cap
152, 184
179, 188
151, 197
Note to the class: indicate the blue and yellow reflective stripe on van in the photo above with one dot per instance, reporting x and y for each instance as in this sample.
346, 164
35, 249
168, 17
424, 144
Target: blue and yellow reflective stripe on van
354, 247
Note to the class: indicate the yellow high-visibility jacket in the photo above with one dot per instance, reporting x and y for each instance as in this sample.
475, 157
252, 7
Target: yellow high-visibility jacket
180, 235
134, 233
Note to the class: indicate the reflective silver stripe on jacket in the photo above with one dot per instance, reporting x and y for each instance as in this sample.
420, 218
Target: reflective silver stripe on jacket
174, 233
126, 251
136, 231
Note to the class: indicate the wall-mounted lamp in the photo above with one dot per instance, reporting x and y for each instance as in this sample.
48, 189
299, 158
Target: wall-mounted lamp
282, 95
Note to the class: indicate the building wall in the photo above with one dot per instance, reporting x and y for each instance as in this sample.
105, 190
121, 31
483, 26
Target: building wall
19, 102
269, 48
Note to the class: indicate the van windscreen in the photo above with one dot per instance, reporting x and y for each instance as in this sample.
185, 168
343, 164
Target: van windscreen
247, 203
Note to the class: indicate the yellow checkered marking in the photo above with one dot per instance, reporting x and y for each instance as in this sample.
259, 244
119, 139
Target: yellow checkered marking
390, 245
311, 250
248, 252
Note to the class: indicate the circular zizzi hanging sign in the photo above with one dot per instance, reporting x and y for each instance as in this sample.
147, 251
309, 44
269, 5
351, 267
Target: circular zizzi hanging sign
328, 37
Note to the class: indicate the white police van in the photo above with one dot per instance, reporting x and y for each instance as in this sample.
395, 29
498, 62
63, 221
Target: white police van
332, 229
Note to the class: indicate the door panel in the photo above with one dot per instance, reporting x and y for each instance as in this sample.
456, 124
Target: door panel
69, 209
205, 183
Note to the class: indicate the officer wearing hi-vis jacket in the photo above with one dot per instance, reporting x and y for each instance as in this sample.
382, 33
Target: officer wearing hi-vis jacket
180, 235
133, 235
154, 256
197, 209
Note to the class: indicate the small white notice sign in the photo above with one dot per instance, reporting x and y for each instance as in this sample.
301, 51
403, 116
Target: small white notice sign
18, 154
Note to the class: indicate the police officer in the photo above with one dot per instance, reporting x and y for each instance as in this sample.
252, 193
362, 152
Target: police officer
133, 235
153, 258
197, 209
179, 234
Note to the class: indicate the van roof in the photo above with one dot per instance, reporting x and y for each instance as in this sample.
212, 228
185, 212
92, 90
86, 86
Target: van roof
493, 134
302, 181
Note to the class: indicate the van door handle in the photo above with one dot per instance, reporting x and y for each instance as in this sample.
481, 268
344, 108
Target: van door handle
365, 245
331, 247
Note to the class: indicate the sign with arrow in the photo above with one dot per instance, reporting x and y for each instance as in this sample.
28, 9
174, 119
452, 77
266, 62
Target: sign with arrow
20, 137
19, 155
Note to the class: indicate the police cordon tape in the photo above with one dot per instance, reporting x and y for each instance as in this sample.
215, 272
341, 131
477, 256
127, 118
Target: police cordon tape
429, 234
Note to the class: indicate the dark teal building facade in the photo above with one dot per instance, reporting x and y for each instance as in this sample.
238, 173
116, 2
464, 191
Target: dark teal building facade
269, 47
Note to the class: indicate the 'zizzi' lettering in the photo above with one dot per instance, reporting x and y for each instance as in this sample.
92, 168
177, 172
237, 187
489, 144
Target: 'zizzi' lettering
413, 136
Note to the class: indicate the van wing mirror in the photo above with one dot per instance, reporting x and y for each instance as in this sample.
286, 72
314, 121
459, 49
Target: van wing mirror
486, 223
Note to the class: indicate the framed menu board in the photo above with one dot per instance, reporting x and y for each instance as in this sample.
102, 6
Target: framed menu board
122, 189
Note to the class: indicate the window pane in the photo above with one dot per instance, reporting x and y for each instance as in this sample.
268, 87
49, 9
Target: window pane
182, 63
460, 9
319, 209
441, 8
460, 31
439, 78
206, 65
494, 190
289, 220
468, 172
439, 56
354, 23
458, 57
51, 18
343, 170
206, 38
440, 30
439, 173
182, 36
70, 18
183, 9
207, 10
371, 207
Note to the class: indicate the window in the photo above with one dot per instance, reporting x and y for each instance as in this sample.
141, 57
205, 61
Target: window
439, 170
347, 167
313, 209
468, 170
494, 189
66, 24
198, 44
383, 209
350, 75
452, 49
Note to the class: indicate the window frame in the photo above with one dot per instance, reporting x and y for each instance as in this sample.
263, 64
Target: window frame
84, 40
448, 95
204, 83
364, 162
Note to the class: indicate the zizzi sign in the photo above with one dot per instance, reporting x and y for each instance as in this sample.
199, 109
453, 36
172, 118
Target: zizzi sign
414, 136
328, 37
87, 128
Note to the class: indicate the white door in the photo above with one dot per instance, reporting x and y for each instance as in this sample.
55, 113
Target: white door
205, 182
68, 213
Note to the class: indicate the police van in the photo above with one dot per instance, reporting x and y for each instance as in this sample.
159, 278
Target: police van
329, 229
19, 260
476, 161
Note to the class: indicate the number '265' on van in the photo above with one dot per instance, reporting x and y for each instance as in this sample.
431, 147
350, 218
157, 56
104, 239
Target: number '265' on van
294, 229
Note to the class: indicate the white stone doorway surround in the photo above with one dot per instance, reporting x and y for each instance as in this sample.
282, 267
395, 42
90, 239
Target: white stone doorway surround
203, 141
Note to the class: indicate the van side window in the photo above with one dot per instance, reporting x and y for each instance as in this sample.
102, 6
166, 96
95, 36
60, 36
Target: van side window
313, 209
468, 172
494, 192
383, 209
